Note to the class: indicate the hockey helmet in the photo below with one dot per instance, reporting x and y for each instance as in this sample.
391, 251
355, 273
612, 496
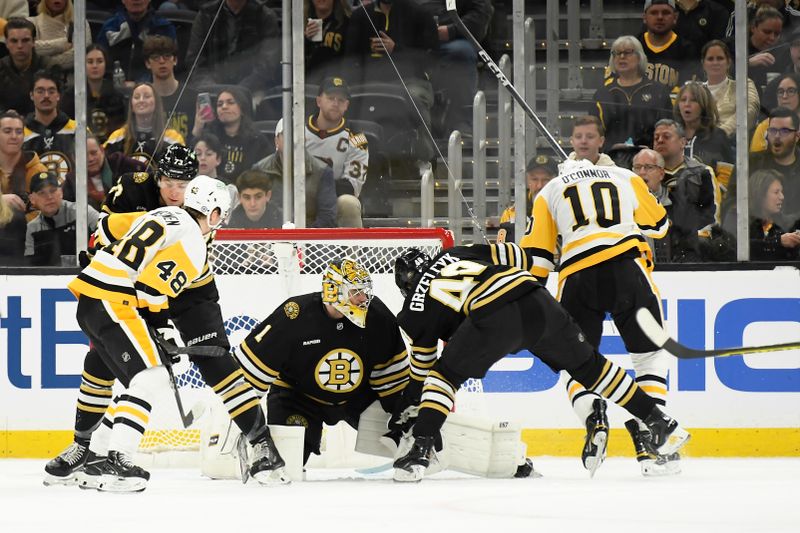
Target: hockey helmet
347, 286
204, 194
407, 267
178, 162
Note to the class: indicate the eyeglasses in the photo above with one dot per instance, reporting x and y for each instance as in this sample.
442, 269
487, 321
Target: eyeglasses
645, 167
41, 91
161, 57
782, 132
791, 91
622, 53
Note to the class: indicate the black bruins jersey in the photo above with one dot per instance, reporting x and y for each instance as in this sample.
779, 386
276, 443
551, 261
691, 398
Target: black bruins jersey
460, 282
332, 361
134, 191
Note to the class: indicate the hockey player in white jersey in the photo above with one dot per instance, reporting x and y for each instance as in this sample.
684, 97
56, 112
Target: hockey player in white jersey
602, 215
329, 138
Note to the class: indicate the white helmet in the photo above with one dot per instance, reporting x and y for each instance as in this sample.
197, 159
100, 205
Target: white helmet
204, 194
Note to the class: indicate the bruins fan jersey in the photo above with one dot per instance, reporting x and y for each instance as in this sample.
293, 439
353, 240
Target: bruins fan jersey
344, 150
333, 361
144, 146
54, 143
134, 191
161, 254
460, 282
600, 212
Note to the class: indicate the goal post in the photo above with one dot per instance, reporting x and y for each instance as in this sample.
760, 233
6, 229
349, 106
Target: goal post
256, 270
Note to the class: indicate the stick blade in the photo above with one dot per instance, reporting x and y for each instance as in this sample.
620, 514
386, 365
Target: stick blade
651, 327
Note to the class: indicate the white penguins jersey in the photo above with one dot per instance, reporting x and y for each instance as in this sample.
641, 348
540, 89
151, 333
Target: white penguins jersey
600, 213
344, 150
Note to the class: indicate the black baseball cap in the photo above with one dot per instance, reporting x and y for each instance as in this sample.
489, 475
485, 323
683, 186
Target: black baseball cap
43, 179
543, 161
334, 84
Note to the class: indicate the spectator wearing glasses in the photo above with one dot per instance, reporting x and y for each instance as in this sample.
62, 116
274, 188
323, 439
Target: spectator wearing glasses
783, 156
649, 164
160, 58
629, 104
717, 62
786, 94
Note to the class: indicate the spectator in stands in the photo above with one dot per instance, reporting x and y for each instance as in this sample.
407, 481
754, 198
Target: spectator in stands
783, 156
17, 70
161, 58
717, 63
54, 33
329, 139
408, 34
242, 47
696, 112
49, 131
764, 58
242, 144
629, 104
539, 171
12, 235
773, 237
649, 164
587, 139
10, 9
700, 21
457, 72
324, 56
209, 151
123, 35
145, 131
102, 172
255, 210
787, 95
320, 186
692, 190
672, 59
17, 167
51, 233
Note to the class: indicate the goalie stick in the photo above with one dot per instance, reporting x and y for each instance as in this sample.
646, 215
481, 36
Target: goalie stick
661, 338
451, 7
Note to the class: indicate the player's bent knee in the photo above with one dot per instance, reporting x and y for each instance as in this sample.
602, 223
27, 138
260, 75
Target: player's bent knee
348, 209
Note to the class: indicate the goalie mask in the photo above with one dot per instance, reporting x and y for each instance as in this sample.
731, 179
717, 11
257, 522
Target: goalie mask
407, 267
347, 286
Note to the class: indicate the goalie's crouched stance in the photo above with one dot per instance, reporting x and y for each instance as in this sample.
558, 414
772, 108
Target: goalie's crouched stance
482, 300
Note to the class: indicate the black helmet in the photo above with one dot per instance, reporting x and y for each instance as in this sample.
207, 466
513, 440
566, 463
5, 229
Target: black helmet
408, 267
178, 162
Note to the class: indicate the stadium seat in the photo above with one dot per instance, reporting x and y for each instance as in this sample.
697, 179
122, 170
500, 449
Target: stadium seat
183, 20
267, 128
271, 105
96, 18
389, 106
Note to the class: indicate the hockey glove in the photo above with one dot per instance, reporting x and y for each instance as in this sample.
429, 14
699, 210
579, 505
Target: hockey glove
167, 337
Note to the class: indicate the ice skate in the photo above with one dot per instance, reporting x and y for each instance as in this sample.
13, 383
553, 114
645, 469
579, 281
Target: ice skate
267, 466
594, 450
526, 470
651, 465
89, 476
63, 469
119, 474
667, 436
411, 466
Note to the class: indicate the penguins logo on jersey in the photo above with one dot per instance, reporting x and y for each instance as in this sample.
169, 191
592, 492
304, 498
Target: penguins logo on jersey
292, 310
340, 370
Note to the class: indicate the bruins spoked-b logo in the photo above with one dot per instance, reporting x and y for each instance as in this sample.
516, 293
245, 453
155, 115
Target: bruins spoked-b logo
340, 370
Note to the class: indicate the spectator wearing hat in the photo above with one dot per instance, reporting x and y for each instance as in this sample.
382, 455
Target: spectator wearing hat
17, 167
540, 170
672, 59
329, 139
255, 209
320, 187
51, 233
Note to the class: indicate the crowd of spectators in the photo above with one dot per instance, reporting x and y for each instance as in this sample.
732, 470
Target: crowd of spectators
669, 95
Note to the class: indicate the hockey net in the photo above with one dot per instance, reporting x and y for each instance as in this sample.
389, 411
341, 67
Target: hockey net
256, 270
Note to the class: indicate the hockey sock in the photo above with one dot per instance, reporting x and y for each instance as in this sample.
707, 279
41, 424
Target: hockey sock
603, 377
102, 435
438, 398
132, 412
94, 397
651, 374
242, 403
581, 399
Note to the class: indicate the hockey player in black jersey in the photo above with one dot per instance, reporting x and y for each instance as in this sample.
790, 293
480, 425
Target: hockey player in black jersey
197, 317
482, 301
324, 357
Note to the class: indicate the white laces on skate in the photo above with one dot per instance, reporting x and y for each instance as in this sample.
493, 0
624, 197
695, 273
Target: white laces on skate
74, 453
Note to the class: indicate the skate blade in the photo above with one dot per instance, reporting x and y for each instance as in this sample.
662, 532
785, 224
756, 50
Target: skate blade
88, 482
593, 462
415, 475
66, 481
676, 440
272, 477
650, 468
110, 483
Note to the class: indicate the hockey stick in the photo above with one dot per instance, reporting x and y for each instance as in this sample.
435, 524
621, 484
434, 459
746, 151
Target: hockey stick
187, 419
204, 351
451, 7
662, 339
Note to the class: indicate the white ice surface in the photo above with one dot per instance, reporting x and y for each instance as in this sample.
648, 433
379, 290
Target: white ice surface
711, 495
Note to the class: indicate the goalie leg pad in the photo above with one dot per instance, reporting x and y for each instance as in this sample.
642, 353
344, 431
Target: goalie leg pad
481, 447
372, 425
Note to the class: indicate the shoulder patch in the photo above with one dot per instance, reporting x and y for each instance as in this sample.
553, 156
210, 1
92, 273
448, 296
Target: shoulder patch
359, 140
291, 309
140, 177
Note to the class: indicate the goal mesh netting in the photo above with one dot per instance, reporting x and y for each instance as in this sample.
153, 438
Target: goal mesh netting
256, 270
